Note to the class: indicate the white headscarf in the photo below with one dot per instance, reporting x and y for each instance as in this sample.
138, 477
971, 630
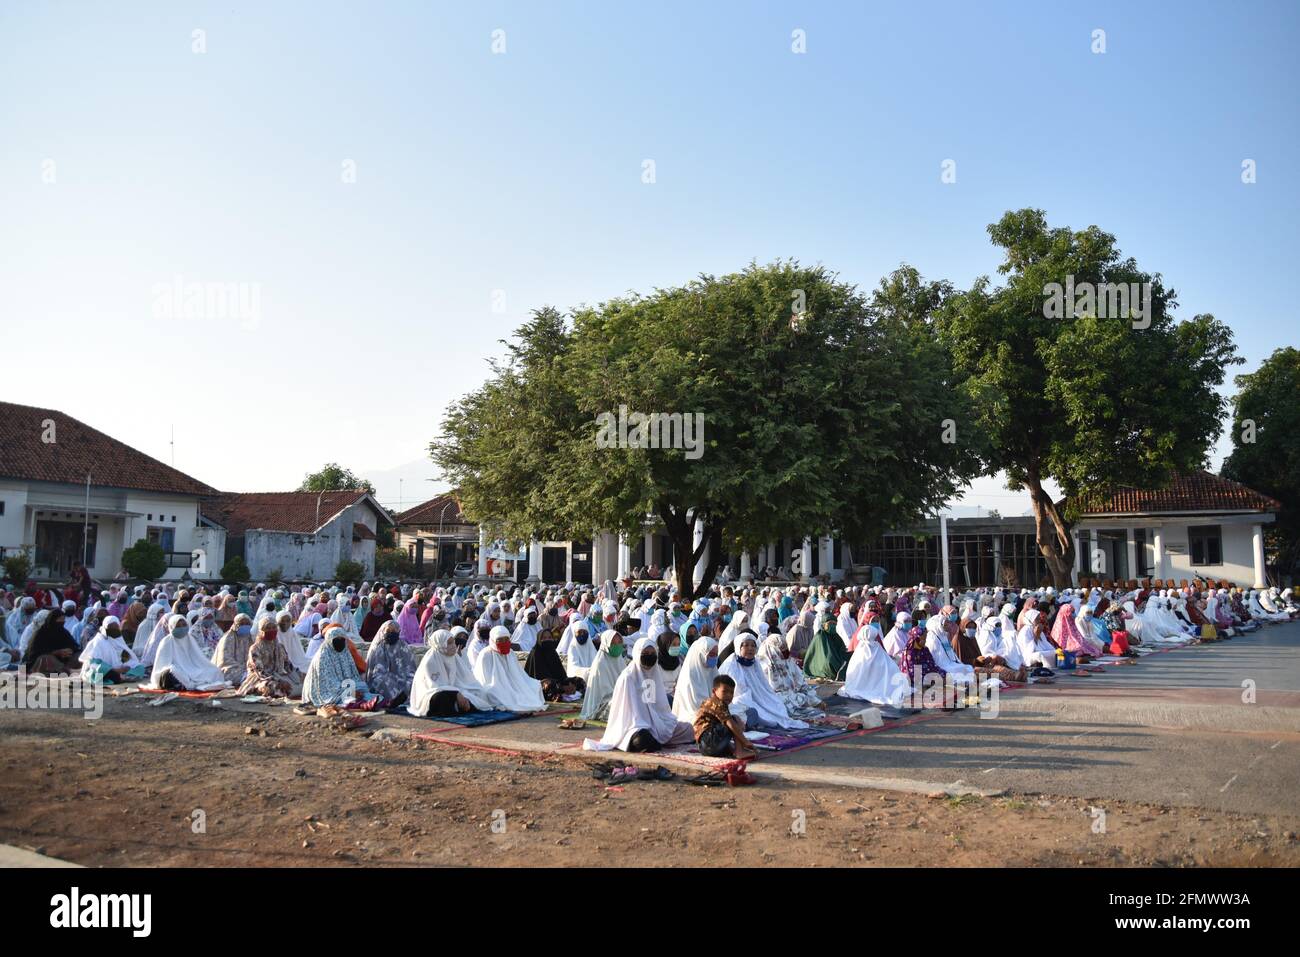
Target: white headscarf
504, 678
603, 675
638, 703
111, 651
872, 674
696, 680
753, 691
445, 668
577, 657
182, 658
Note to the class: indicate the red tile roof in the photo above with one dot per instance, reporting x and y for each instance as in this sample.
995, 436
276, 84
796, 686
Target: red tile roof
78, 449
428, 512
1187, 492
277, 511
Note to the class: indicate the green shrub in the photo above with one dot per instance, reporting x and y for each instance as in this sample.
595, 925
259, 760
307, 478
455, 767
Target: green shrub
394, 563
236, 569
145, 560
349, 571
18, 567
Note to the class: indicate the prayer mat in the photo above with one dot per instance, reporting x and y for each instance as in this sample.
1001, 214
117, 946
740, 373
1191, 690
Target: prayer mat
182, 694
473, 719
785, 740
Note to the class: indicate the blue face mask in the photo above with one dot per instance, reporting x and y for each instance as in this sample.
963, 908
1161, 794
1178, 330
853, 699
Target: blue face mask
711, 661
180, 632
244, 631
581, 637
747, 662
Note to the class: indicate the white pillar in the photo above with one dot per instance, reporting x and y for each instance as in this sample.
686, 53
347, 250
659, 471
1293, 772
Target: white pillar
703, 562
1078, 556
773, 557
1130, 544
535, 561
482, 553
943, 554
997, 563
806, 547
624, 557
649, 549
746, 572
1158, 539
1092, 554
826, 558
1257, 545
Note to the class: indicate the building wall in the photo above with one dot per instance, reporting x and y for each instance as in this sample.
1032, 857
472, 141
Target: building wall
14, 496
1238, 564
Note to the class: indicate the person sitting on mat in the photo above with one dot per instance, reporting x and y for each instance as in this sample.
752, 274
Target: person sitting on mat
640, 718
719, 733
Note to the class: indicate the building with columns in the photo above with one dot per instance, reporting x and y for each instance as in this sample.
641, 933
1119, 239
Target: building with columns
1200, 526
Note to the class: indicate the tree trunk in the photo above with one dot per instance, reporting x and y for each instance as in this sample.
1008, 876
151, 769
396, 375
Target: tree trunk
680, 527
1052, 533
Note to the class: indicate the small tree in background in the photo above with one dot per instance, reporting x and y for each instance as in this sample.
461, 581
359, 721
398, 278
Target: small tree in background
349, 571
236, 569
18, 567
145, 560
333, 477
394, 563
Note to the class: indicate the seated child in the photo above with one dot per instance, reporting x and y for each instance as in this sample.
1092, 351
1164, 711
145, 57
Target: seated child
719, 733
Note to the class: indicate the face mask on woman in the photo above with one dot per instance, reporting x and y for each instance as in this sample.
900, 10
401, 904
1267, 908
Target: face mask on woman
615, 650
581, 637
181, 632
244, 631
648, 660
338, 642
503, 646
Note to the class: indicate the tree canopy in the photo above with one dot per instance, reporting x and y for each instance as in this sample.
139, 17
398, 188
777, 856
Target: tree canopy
824, 411
333, 477
1091, 401
1265, 454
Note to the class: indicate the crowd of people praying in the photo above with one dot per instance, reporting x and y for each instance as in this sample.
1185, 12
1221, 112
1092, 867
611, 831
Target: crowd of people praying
654, 670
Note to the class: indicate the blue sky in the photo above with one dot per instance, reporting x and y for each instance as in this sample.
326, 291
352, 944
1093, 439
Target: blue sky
127, 160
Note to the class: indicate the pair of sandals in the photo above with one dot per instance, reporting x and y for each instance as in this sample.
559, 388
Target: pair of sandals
572, 724
612, 773
733, 775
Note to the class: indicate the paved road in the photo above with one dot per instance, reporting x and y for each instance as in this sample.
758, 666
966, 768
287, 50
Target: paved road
1173, 729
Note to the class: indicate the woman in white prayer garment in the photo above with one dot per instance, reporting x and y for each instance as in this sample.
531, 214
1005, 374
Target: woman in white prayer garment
603, 675
179, 664
872, 674
577, 648
940, 647
896, 640
699, 668
444, 683
1035, 649
787, 679
503, 677
288, 636
640, 718
739, 622
754, 698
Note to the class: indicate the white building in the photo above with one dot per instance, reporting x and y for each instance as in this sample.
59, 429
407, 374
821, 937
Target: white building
1200, 526
300, 535
70, 493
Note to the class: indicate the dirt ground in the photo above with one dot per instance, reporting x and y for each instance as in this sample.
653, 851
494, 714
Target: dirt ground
134, 787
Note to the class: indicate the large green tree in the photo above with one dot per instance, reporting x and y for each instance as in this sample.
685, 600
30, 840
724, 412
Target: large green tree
1092, 400
824, 412
333, 477
1265, 453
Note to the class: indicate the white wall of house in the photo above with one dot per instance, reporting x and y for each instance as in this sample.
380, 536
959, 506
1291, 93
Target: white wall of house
27, 503
1169, 548
12, 530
